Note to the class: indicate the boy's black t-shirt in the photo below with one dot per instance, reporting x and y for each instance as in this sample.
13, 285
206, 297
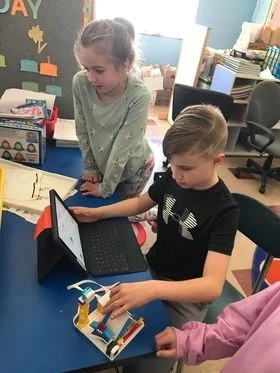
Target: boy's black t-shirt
190, 222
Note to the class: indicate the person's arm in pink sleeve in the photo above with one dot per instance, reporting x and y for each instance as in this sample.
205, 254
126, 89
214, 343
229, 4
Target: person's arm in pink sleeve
197, 342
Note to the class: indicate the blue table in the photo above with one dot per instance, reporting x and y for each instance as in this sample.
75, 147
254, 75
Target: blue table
37, 334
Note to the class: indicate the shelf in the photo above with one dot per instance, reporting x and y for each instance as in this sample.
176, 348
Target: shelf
227, 81
254, 77
245, 102
241, 151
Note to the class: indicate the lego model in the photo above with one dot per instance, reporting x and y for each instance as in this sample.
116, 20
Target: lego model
110, 336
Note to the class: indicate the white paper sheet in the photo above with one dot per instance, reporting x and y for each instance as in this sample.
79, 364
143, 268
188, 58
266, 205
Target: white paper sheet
65, 130
13, 97
27, 188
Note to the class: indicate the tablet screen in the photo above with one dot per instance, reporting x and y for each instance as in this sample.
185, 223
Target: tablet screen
68, 230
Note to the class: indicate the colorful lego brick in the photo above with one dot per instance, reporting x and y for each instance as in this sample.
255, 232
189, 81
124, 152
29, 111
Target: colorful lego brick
88, 294
83, 315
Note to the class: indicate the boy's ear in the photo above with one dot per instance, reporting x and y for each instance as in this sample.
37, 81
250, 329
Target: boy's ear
218, 159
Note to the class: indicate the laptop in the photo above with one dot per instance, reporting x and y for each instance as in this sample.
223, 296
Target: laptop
106, 247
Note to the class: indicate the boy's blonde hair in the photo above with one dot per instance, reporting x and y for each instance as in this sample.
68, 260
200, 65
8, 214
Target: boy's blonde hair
110, 38
198, 130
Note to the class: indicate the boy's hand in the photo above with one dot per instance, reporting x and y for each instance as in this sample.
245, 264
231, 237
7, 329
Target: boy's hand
88, 188
166, 343
85, 214
125, 297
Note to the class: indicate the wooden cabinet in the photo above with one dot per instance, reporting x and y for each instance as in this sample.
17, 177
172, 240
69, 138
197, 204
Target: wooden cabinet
239, 86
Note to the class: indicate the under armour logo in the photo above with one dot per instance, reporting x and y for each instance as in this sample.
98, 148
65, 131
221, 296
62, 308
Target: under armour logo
186, 220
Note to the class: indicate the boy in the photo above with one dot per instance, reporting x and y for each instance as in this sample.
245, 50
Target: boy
197, 222
247, 330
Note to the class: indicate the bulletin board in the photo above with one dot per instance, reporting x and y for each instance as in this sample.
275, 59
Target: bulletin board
36, 46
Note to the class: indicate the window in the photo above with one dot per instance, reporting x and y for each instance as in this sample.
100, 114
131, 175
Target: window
164, 17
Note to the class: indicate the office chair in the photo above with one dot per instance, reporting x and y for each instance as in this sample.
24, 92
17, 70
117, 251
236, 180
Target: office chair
263, 112
184, 96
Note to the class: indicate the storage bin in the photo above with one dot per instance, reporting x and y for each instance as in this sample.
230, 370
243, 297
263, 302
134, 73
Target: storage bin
272, 59
50, 123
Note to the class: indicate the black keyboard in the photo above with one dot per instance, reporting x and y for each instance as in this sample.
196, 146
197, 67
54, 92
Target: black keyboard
102, 247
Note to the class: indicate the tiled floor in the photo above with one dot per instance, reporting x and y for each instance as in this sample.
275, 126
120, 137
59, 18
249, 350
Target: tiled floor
243, 250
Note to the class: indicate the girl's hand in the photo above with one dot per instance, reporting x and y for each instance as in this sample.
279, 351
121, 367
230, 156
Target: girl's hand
85, 214
125, 297
93, 177
88, 188
166, 343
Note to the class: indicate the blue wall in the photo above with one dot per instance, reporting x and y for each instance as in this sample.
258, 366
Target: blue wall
160, 50
261, 11
225, 19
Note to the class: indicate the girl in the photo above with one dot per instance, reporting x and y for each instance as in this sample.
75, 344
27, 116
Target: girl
111, 111
247, 330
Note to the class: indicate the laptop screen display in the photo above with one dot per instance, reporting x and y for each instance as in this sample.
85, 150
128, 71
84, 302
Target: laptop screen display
68, 231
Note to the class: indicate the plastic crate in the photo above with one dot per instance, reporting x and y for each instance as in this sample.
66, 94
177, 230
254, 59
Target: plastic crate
277, 73
272, 59
50, 123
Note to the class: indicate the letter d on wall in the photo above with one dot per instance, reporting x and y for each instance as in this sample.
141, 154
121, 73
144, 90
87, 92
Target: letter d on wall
5, 8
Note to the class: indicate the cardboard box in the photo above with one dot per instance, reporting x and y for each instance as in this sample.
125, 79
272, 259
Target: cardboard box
22, 141
163, 97
23, 138
154, 83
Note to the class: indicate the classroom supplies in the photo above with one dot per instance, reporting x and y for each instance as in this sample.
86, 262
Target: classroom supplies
27, 188
23, 137
105, 247
23, 140
110, 336
13, 97
65, 133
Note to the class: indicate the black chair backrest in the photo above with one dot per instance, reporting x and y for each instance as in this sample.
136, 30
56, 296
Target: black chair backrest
184, 96
264, 104
259, 223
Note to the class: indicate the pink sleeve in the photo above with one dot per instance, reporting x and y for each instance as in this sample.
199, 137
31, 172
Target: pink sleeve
197, 342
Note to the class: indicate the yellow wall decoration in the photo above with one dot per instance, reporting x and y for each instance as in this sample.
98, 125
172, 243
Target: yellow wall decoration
37, 36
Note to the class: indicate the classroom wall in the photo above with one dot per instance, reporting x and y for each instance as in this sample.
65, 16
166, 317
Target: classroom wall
61, 20
261, 11
155, 49
225, 19
30, 33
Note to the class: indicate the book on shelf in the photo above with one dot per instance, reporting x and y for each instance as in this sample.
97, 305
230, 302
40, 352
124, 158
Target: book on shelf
65, 133
238, 114
241, 66
241, 91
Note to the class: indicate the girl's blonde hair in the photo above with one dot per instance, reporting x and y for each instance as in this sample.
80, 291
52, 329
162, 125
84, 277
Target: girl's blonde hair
198, 130
110, 38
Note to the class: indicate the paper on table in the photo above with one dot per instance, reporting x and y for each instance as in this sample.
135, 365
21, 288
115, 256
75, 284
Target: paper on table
65, 131
13, 97
28, 189
19, 116
21, 184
